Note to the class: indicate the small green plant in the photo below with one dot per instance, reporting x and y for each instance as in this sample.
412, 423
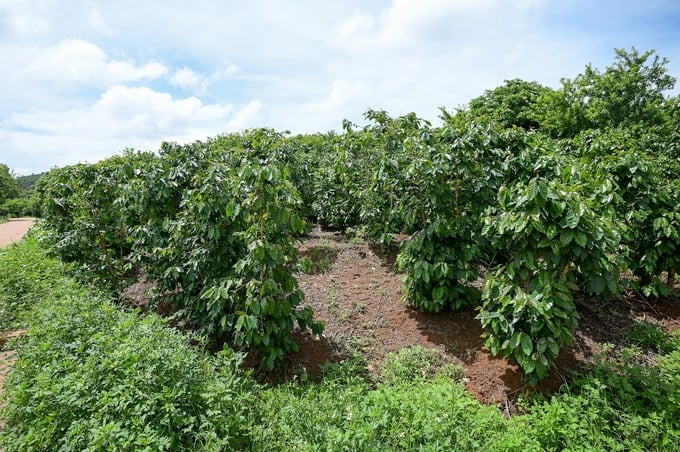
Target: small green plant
351, 369
648, 335
349, 413
415, 363
321, 258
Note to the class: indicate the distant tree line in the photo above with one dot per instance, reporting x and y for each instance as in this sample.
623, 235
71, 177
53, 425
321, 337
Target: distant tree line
17, 197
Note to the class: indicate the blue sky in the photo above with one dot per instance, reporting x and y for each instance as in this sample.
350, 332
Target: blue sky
85, 79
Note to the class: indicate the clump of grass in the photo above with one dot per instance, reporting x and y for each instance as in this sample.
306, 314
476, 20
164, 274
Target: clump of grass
320, 259
650, 336
418, 363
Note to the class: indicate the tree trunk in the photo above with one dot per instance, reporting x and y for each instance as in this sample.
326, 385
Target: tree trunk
671, 279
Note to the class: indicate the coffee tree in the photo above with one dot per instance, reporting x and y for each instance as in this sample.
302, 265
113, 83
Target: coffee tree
556, 245
221, 244
85, 218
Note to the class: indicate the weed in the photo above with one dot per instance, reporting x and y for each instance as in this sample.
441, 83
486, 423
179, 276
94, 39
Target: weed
452, 347
648, 335
414, 363
321, 259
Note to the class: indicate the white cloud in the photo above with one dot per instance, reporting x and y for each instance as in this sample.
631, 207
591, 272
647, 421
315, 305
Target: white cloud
230, 70
417, 56
248, 117
128, 112
405, 23
358, 25
342, 93
23, 19
97, 22
190, 80
75, 62
186, 78
122, 117
405, 20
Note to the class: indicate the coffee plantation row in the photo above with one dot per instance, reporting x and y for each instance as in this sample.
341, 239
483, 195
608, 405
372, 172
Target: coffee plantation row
554, 197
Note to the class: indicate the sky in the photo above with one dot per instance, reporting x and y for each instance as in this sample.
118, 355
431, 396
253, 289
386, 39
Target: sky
85, 79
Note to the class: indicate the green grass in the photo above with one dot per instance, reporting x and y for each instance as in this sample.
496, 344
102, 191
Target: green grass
321, 259
27, 276
90, 376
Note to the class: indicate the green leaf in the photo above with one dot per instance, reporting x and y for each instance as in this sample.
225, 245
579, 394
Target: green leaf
566, 237
532, 190
514, 340
551, 231
597, 284
541, 345
527, 345
572, 218
543, 191
239, 323
581, 239
297, 225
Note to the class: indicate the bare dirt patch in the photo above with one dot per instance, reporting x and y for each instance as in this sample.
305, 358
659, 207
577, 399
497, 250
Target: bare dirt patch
359, 297
14, 230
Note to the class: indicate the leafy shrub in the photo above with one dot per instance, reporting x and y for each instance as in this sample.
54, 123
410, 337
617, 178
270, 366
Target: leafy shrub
438, 261
614, 406
447, 182
213, 224
223, 248
20, 207
554, 244
587, 419
90, 377
341, 173
645, 200
662, 253
85, 219
528, 327
9, 185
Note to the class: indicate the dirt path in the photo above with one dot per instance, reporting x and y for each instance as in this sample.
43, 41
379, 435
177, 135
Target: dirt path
14, 230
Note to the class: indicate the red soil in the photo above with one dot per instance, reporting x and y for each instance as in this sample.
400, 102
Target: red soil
359, 297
